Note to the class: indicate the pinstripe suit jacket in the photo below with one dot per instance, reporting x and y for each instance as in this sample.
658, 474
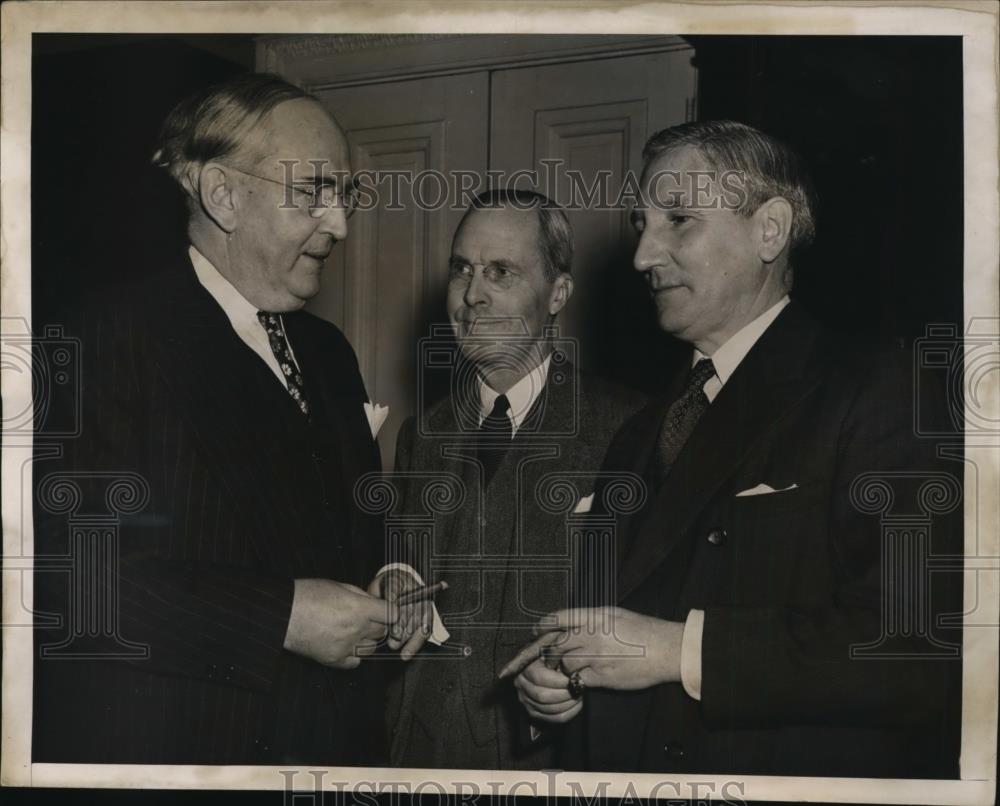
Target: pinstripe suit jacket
244, 496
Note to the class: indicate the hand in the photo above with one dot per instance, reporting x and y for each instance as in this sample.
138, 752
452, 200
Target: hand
544, 694
412, 627
335, 624
609, 646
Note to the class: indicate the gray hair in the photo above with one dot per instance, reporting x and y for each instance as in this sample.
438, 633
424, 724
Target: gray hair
555, 240
767, 166
220, 121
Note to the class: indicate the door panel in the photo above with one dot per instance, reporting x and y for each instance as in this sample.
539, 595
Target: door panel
387, 284
592, 119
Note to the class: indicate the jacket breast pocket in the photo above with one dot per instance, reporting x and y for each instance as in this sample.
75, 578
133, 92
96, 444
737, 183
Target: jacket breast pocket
759, 541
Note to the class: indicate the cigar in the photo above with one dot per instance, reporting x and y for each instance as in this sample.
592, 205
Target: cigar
420, 594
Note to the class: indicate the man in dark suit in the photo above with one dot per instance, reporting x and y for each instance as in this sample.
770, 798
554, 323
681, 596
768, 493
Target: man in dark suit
753, 630
520, 418
235, 422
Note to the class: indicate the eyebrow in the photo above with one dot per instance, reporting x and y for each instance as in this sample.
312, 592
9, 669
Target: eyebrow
349, 181
501, 262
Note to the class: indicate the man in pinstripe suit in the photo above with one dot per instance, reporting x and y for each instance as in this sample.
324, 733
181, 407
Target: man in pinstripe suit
241, 612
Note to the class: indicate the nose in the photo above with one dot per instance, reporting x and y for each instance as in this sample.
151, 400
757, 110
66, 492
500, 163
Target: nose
476, 292
648, 252
333, 222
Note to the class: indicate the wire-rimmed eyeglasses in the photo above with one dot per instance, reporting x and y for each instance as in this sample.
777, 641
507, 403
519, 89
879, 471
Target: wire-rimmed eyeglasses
323, 192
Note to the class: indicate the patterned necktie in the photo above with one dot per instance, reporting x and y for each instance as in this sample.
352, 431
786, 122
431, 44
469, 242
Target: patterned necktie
495, 434
682, 416
279, 346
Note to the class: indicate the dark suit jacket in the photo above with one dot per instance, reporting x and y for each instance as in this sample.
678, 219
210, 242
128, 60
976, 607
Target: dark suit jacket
242, 496
789, 581
505, 554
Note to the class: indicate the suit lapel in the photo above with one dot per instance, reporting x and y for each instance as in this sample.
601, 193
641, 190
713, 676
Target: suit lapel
773, 377
339, 404
230, 398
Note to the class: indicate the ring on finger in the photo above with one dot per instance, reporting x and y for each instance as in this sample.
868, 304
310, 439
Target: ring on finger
576, 685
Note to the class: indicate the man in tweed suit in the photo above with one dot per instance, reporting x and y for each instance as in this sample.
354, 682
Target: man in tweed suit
241, 579
519, 413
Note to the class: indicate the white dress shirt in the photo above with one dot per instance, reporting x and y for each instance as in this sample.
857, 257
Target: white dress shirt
521, 396
241, 313
725, 360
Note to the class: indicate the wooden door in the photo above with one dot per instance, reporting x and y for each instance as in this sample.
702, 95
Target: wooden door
590, 117
388, 283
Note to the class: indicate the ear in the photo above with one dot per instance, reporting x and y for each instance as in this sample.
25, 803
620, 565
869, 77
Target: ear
562, 290
216, 194
774, 218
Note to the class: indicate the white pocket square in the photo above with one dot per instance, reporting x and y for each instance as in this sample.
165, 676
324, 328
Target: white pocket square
765, 489
584, 505
376, 415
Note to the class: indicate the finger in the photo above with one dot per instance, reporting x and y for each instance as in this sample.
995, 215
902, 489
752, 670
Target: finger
591, 678
575, 661
541, 694
418, 614
550, 709
563, 620
372, 631
380, 611
557, 719
350, 662
528, 654
541, 675
365, 649
417, 640
399, 630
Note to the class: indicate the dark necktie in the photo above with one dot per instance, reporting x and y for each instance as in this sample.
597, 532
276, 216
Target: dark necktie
279, 346
495, 434
682, 416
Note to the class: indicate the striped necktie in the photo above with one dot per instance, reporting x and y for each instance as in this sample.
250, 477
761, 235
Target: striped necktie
682, 417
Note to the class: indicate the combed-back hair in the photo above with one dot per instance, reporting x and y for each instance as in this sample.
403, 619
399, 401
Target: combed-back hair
220, 121
767, 167
555, 235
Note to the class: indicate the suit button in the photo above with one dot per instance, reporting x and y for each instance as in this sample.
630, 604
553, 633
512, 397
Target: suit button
717, 537
673, 750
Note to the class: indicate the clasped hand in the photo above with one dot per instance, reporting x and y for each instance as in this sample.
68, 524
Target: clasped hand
337, 624
607, 647
412, 626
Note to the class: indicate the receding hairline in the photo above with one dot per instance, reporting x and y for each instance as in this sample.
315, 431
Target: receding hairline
266, 132
504, 208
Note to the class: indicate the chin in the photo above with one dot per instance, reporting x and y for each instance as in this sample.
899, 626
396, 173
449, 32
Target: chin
304, 291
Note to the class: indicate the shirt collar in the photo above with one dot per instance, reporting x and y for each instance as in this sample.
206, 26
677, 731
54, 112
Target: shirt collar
238, 310
728, 357
521, 396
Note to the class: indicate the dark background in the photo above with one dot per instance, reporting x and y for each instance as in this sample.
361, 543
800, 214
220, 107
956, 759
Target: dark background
877, 119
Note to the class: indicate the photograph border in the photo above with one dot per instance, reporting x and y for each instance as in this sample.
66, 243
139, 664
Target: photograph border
976, 23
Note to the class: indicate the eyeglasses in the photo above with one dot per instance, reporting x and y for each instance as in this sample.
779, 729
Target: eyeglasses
323, 193
498, 276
